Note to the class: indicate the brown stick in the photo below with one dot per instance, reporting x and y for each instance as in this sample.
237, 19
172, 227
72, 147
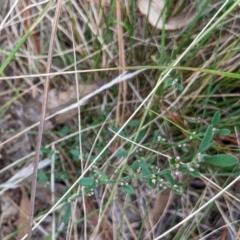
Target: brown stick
122, 95
42, 120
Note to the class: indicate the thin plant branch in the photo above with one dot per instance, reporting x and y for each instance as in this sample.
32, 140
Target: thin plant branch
42, 120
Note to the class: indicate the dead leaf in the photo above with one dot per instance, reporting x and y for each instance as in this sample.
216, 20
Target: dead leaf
164, 198
58, 99
22, 221
65, 98
153, 10
105, 227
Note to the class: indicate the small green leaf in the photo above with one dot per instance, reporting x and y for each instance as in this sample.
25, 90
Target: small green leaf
64, 175
179, 87
135, 166
221, 160
152, 160
122, 153
216, 118
150, 183
184, 149
170, 178
67, 214
103, 177
134, 123
86, 182
145, 170
156, 134
206, 142
224, 131
168, 83
195, 173
46, 150
75, 153
172, 160
122, 133
65, 130
140, 136
183, 168
128, 189
42, 177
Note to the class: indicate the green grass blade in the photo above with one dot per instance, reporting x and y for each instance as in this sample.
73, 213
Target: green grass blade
25, 37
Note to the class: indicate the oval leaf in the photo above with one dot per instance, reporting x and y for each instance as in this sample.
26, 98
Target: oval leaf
195, 173
206, 142
122, 153
140, 136
172, 160
224, 132
128, 189
64, 131
102, 176
75, 153
67, 214
135, 166
145, 170
87, 181
134, 123
170, 178
42, 176
216, 118
150, 183
221, 160
179, 87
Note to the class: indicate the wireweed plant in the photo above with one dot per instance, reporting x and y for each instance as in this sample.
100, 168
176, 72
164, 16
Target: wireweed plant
197, 159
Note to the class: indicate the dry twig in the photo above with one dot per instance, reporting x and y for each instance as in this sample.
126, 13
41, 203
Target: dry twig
43, 114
